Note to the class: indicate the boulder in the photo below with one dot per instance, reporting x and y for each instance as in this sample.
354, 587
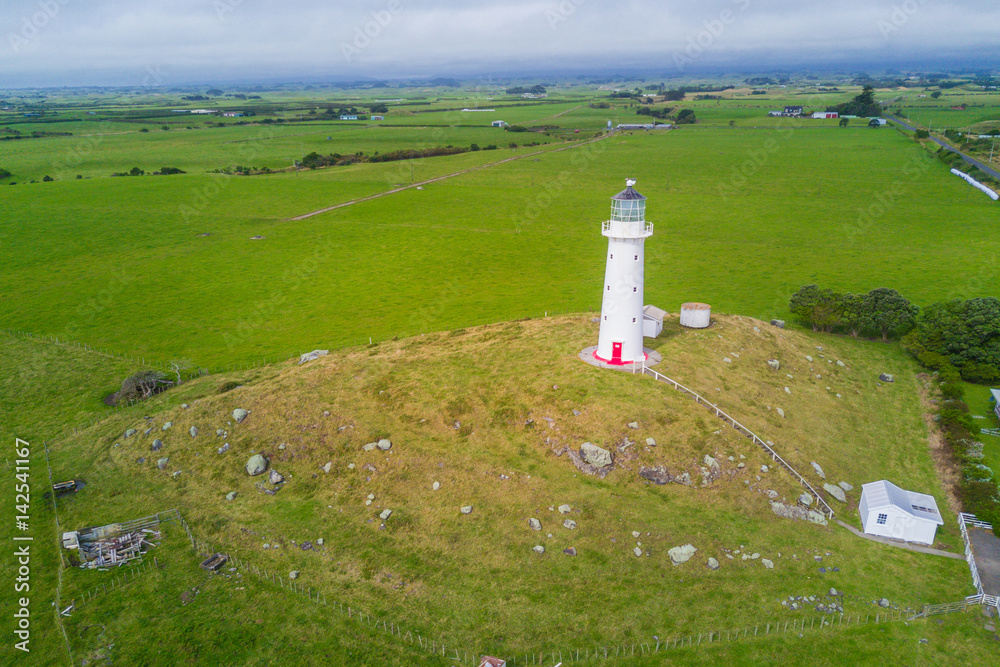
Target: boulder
436, 485
275, 477
157, 445
130, 432
466, 510
223, 449
369, 446
769, 564
711, 463
565, 509
836, 492
570, 551
239, 414
326, 467
841, 363
819, 471
570, 524
256, 465
166, 426
162, 463
312, 356
774, 363
594, 455
781, 413
193, 431
538, 549
637, 551
806, 499
884, 603
231, 495
797, 512
384, 445
778, 323
656, 475
713, 564
535, 524
682, 554
633, 425
885, 377
651, 442
294, 574
385, 514
845, 486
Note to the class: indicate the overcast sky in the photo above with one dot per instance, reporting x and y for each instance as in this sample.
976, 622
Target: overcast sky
171, 42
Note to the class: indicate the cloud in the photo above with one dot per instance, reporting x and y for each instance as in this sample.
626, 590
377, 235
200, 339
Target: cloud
87, 41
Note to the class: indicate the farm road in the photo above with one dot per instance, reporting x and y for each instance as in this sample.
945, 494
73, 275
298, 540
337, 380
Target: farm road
446, 176
971, 160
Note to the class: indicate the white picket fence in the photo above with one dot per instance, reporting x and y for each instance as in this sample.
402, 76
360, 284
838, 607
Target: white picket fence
966, 519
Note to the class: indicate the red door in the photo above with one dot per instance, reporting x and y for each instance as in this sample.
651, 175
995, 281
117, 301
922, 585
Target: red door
616, 353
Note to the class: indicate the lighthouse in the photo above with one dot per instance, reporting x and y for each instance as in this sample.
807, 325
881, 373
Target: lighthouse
620, 340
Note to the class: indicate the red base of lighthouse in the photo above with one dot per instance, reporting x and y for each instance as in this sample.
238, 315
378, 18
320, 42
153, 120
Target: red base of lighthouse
619, 362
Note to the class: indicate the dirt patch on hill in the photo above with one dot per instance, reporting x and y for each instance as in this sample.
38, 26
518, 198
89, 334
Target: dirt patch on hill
943, 461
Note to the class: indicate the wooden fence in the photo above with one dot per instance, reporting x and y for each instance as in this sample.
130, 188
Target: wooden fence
742, 430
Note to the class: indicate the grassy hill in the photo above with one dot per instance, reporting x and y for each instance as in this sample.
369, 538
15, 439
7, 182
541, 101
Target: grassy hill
487, 413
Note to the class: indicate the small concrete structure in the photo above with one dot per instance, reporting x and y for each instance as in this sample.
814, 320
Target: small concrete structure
652, 321
890, 511
696, 315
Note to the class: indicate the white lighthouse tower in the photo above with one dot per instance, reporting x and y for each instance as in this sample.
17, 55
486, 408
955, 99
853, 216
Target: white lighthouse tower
620, 340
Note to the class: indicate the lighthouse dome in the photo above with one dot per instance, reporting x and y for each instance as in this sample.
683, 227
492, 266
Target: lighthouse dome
628, 205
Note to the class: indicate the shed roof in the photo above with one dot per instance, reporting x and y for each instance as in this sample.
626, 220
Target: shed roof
883, 493
996, 394
654, 312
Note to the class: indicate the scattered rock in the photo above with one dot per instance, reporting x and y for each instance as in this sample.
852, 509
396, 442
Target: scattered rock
220, 432
312, 356
565, 509
711, 463
594, 455
385, 514
570, 551
319, 542
657, 475
177, 474
276, 477
833, 593
651, 442
781, 413
787, 390
806, 499
162, 463
636, 534
727, 360
294, 574
769, 564
570, 524
841, 363
772, 494
836, 492
157, 445
884, 603
633, 425
467, 509
326, 467
845, 486
774, 363
166, 426
239, 414
535, 524
193, 431
369, 446
796, 512
638, 552
129, 433
713, 564
436, 485
147, 431
231, 495
141, 459
778, 323
885, 377
576, 413
281, 446
538, 549
682, 554
256, 465
384, 445
819, 471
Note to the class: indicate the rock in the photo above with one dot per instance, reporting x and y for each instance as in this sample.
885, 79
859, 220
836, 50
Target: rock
223, 449
141, 459
713, 564
796, 512
312, 356
436, 485
841, 363
239, 414
845, 486
157, 445
385, 514
774, 363
294, 574
633, 425
275, 477
319, 542
594, 455
281, 446
256, 465
326, 467
769, 564
836, 492
384, 445
177, 474
637, 551
711, 463
369, 446
162, 463
727, 360
535, 524
884, 603
764, 468
741, 465
772, 494
778, 323
885, 377
129, 433
833, 593
538, 549
166, 426
657, 475
806, 499
636, 534
682, 554
221, 432
565, 509
781, 413
570, 551
231, 495
577, 413
570, 524
266, 546
467, 509
193, 431
147, 432
787, 390
819, 471
754, 556
651, 442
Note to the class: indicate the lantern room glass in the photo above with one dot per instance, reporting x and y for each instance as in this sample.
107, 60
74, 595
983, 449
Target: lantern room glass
628, 210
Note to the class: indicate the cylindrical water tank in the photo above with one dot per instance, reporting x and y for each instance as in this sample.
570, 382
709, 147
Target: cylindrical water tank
696, 315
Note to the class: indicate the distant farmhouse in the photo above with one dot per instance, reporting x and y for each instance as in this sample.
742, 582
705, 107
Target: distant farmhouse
643, 126
825, 114
233, 114
788, 111
348, 117
378, 117
499, 123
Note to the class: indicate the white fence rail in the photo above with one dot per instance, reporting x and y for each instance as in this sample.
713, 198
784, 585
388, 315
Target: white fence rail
966, 519
740, 428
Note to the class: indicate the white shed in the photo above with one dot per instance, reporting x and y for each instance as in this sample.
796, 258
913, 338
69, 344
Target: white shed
652, 321
890, 511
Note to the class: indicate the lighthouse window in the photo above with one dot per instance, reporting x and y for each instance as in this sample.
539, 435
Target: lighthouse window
635, 289
636, 257
612, 256
609, 288
605, 318
633, 320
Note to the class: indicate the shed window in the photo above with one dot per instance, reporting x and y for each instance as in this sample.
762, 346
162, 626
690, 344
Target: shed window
882, 518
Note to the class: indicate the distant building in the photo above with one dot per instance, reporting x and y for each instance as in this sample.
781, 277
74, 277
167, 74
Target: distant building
792, 111
890, 511
179, 111
499, 123
825, 114
876, 122
643, 126
348, 117
202, 111
378, 117
233, 114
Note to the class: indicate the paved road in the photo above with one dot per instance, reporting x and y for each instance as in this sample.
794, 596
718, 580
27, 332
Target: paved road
971, 160
986, 549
